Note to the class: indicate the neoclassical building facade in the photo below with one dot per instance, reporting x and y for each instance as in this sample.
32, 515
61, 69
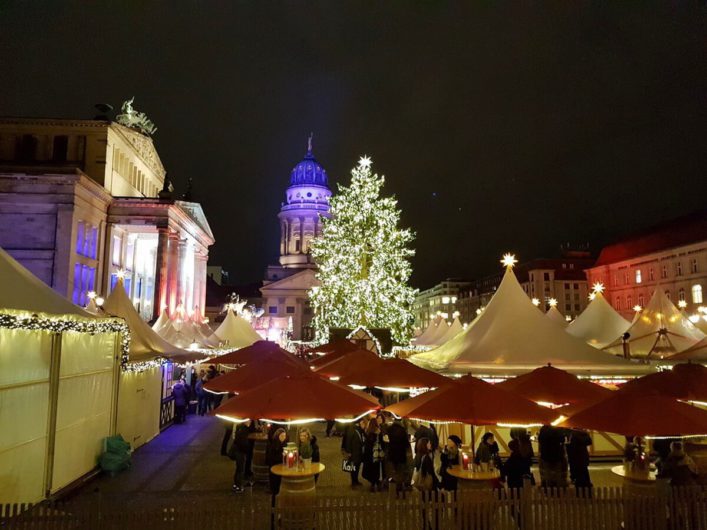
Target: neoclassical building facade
81, 200
286, 285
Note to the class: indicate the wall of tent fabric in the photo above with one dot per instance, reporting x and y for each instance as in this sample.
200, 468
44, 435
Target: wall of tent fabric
59, 392
139, 405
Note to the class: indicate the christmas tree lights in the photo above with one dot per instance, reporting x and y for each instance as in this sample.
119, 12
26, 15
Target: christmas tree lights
363, 259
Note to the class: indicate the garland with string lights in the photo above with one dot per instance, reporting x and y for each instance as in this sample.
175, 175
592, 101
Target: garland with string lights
363, 261
34, 322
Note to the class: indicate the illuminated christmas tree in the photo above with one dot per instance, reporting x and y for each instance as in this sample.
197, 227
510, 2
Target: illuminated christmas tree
363, 259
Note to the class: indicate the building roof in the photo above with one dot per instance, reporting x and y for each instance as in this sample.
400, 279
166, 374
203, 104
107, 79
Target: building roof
684, 230
308, 171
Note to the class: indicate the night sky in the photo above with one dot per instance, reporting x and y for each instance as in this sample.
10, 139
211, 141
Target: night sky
499, 127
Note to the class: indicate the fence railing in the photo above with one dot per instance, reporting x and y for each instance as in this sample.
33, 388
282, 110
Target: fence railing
531, 508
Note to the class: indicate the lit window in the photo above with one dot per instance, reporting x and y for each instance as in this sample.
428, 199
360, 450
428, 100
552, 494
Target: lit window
272, 310
697, 294
694, 267
638, 276
117, 249
454, 299
445, 299
681, 295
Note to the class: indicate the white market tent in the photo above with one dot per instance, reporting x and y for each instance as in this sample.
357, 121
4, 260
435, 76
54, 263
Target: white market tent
430, 331
660, 330
454, 329
435, 336
235, 331
52, 434
511, 336
554, 315
599, 324
145, 344
161, 322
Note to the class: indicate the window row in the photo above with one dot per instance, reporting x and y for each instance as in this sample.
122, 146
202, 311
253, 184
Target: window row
695, 291
664, 270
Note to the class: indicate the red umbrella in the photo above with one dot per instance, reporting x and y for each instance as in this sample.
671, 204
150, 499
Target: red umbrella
335, 346
336, 350
257, 351
353, 363
395, 373
552, 385
632, 413
686, 381
298, 397
471, 400
254, 374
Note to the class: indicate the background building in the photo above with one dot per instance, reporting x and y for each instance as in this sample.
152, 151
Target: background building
80, 200
672, 255
562, 278
286, 286
441, 299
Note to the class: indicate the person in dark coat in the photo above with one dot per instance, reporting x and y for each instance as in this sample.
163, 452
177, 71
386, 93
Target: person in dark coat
451, 456
487, 451
239, 453
679, 467
553, 458
273, 456
578, 458
352, 447
398, 454
373, 455
426, 479
180, 391
202, 395
423, 431
516, 468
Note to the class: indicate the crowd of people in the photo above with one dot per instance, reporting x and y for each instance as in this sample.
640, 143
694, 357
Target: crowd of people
190, 388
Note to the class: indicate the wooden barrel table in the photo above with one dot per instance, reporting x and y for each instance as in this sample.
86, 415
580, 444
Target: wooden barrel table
297, 490
259, 466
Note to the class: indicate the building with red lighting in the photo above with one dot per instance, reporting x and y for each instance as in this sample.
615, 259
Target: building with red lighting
671, 255
81, 200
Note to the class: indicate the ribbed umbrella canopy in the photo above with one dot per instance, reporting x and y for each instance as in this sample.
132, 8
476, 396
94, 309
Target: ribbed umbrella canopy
395, 373
552, 385
471, 400
687, 381
351, 364
332, 351
254, 374
298, 397
636, 413
256, 352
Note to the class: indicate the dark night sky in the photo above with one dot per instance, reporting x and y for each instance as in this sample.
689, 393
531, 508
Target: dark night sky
498, 127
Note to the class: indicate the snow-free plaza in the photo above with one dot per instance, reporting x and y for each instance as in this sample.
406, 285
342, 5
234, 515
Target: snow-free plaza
507, 330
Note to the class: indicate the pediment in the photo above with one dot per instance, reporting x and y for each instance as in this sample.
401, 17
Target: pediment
144, 146
303, 280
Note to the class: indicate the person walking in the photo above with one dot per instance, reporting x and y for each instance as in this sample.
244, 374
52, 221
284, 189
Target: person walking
553, 459
352, 448
202, 395
239, 454
273, 456
181, 400
451, 456
578, 458
373, 455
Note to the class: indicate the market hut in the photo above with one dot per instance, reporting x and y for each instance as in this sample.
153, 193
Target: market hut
235, 331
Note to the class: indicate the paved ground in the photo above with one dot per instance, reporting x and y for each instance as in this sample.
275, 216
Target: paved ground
186, 458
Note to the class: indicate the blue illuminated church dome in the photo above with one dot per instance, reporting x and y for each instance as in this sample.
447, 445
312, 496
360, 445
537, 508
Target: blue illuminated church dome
308, 171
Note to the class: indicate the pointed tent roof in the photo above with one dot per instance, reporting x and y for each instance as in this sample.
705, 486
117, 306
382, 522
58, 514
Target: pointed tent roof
236, 331
599, 324
512, 336
20, 289
145, 344
161, 322
429, 333
661, 330
698, 352
435, 338
554, 314
455, 329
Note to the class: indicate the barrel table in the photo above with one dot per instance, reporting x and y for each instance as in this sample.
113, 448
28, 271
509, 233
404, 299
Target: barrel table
297, 490
259, 465
468, 479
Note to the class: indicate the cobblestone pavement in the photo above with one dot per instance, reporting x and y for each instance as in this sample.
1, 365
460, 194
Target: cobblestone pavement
186, 458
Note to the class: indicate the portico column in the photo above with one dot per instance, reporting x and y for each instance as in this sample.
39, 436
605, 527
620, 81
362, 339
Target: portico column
181, 283
161, 272
172, 273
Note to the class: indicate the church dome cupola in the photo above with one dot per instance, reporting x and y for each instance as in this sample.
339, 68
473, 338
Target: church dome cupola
308, 172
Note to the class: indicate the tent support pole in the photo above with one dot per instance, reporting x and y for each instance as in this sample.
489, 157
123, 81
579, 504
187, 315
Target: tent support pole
54, 367
116, 384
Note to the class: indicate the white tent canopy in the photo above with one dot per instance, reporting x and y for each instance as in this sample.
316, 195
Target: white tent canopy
511, 336
235, 331
145, 344
23, 290
430, 331
599, 324
554, 315
161, 322
660, 330
454, 329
